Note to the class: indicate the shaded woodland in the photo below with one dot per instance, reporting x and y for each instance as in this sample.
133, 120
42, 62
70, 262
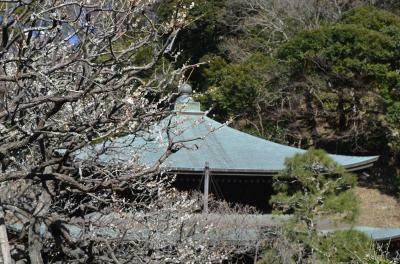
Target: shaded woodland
304, 73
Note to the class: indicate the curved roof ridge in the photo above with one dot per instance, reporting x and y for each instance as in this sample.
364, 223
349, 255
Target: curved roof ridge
245, 152
228, 150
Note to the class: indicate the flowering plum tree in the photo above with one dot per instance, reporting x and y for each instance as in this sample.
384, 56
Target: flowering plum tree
75, 74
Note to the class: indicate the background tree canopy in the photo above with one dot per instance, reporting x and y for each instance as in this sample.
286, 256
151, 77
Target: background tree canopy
350, 71
305, 73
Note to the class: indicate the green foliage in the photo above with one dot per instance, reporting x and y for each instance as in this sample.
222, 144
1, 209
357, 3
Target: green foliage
234, 88
271, 256
342, 52
393, 119
372, 18
377, 260
362, 51
347, 246
350, 71
343, 246
139, 56
201, 35
313, 185
393, 113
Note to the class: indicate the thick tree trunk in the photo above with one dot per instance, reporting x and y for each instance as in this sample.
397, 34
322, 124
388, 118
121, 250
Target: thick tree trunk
5, 246
311, 119
341, 112
35, 245
34, 236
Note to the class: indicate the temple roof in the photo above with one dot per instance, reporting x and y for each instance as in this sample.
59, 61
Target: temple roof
202, 139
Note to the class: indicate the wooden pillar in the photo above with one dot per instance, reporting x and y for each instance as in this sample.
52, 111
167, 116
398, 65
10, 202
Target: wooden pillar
206, 187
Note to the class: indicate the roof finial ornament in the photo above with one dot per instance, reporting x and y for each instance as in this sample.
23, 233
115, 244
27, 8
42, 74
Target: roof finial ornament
185, 88
185, 103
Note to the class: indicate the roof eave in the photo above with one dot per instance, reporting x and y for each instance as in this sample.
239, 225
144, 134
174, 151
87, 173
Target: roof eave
362, 165
268, 173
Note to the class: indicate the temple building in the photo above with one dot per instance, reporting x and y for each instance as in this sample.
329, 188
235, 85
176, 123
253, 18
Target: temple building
240, 165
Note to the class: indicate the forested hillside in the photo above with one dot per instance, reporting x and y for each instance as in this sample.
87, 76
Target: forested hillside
304, 73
